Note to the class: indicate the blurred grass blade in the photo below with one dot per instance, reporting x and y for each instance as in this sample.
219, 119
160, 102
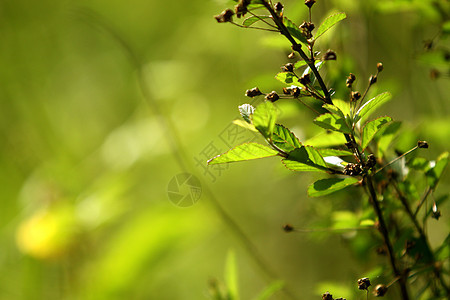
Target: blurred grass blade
329, 22
371, 128
231, 276
327, 186
270, 290
247, 151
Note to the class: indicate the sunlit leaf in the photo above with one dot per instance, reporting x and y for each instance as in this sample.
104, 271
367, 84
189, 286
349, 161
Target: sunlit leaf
285, 139
435, 172
288, 78
385, 137
302, 63
264, 118
247, 151
305, 158
371, 128
253, 19
327, 186
332, 122
326, 139
245, 125
334, 152
294, 30
371, 105
246, 111
329, 22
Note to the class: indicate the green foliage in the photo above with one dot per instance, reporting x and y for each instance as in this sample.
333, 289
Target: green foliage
247, 151
285, 139
370, 106
327, 186
371, 128
305, 158
264, 119
329, 22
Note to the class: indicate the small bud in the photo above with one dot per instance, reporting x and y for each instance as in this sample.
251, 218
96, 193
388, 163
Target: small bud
422, 144
355, 96
327, 296
288, 228
305, 79
278, 7
329, 55
371, 161
225, 16
350, 79
380, 290
373, 79
296, 92
288, 67
434, 74
291, 55
435, 212
352, 169
253, 92
380, 67
287, 91
310, 3
363, 283
273, 96
306, 28
241, 8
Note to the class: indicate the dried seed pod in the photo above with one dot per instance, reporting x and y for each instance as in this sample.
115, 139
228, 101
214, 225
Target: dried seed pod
327, 296
225, 16
272, 97
380, 67
373, 79
371, 161
355, 96
296, 92
380, 290
278, 7
363, 283
310, 3
253, 92
329, 55
291, 55
288, 228
305, 79
289, 67
422, 144
350, 79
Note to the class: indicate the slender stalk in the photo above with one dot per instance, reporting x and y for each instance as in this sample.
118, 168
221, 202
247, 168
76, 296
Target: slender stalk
384, 232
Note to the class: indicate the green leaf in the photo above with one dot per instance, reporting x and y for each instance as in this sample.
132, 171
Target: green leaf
435, 172
326, 139
371, 105
231, 276
371, 128
244, 124
305, 158
253, 19
284, 139
246, 111
247, 151
329, 22
418, 163
332, 122
294, 31
302, 63
270, 290
343, 106
330, 185
333, 109
334, 152
288, 78
264, 118
385, 137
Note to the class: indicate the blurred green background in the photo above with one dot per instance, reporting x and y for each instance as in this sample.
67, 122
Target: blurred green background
104, 102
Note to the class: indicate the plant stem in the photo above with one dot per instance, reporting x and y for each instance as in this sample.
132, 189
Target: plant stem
384, 232
297, 47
